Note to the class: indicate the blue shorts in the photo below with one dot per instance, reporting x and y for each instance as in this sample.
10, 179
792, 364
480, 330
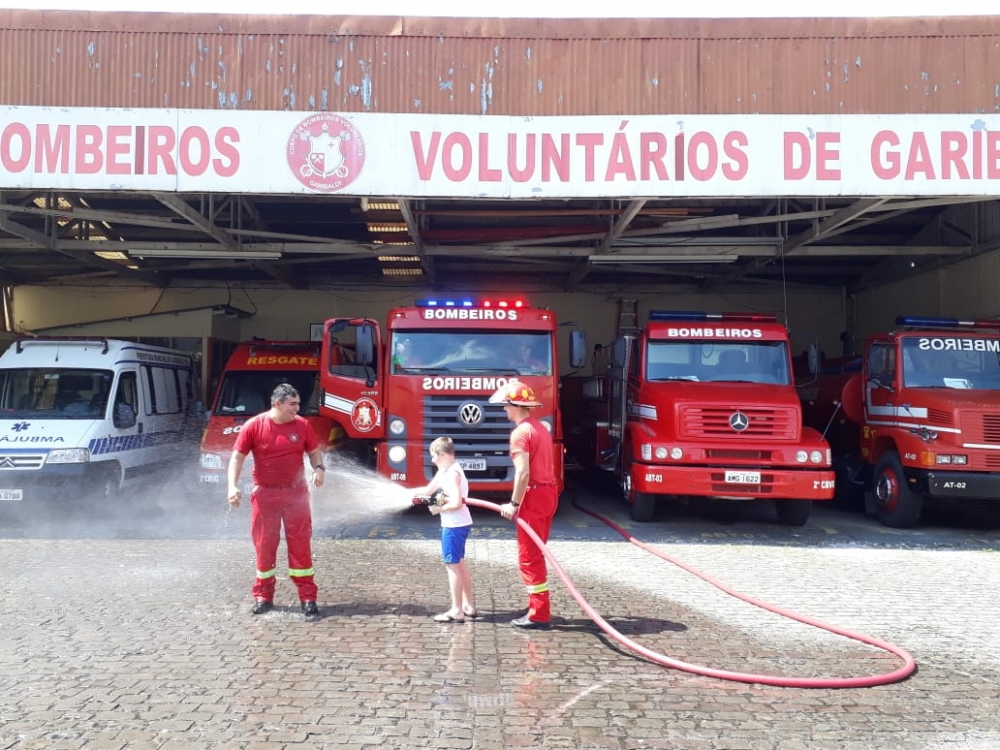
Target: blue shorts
453, 543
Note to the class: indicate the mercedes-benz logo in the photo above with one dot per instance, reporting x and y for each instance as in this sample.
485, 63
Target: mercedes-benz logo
739, 421
470, 414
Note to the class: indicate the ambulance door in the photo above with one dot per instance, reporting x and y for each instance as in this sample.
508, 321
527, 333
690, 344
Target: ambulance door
127, 424
352, 376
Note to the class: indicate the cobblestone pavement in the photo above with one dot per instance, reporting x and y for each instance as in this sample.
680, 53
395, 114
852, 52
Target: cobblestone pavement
138, 635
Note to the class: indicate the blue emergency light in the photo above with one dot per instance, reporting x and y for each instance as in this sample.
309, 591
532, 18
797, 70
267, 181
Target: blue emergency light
703, 316
515, 303
910, 321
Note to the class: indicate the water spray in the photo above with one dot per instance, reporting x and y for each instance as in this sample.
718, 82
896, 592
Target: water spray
908, 667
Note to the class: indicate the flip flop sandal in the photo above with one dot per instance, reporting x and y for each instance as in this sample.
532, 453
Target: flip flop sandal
445, 617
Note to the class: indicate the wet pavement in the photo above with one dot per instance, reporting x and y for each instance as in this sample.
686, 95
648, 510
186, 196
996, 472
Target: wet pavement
133, 630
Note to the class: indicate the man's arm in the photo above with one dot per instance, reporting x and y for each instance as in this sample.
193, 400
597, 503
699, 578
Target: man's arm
521, 476
319, 468
235, 467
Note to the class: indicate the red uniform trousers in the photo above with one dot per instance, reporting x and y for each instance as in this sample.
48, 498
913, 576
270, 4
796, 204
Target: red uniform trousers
270, 507
537, 508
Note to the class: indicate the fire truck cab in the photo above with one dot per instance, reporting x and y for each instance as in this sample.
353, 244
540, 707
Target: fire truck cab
430, 372
917, 417
704, 405
250, 375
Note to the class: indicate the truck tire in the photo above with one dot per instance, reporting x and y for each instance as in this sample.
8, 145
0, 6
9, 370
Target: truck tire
793, 512
896, 505
641, 505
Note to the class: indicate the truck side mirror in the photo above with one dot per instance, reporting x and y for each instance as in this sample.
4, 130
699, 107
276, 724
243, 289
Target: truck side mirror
364, 345
813, 358
577, 349
124, 416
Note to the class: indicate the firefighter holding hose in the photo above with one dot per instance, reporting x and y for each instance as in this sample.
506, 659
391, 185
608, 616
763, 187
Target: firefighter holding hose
533, 499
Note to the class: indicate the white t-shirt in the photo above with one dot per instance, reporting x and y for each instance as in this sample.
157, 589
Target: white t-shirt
453, 519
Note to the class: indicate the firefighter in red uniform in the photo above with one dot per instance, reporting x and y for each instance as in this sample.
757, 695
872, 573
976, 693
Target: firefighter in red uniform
533, 499
277, 439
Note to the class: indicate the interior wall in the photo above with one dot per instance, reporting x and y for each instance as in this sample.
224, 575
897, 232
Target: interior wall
287, 314
969, 290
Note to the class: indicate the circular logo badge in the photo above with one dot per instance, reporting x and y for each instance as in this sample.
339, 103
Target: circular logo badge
364, 415
325, 152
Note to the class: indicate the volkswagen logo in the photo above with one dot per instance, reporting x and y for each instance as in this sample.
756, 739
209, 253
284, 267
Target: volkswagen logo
739, 421
470, 414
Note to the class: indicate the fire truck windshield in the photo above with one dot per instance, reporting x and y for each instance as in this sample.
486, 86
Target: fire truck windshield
944, 360
719, 361
248, 392
500, 352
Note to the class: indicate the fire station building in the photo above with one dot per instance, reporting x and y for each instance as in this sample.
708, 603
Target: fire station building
201, 179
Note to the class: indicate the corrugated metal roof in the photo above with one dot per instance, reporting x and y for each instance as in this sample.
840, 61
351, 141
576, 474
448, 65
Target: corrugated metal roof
497, 66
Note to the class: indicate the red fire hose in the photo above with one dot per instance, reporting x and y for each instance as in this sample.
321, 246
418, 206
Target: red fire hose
909, 665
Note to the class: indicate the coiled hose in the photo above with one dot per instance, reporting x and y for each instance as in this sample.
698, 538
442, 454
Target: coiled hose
908, 667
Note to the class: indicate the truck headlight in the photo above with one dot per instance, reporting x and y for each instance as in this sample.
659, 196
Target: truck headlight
397, 454
676, 453
816, 457
211, 461
396, 426
662, 453
68, 456
801, 457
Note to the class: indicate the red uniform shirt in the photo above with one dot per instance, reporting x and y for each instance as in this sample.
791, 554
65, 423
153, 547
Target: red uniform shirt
277, 449
531, 437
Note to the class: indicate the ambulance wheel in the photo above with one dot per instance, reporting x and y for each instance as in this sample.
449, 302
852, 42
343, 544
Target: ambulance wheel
896, 505
793, 512
111, 484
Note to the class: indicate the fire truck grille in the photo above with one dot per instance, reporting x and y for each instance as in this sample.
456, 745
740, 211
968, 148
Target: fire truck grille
991, 429
992, 461
16, 461
482, 447
938, 417
714, 422
730, 453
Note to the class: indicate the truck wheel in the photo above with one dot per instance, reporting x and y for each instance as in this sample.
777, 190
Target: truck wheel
641, 505
793, 512
896, 504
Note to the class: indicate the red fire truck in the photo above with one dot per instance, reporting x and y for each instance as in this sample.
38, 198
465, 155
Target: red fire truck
917, 417
430, 372
252, 372
701, 404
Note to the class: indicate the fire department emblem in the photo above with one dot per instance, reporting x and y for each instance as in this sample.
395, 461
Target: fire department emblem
365, 415
739, 421
294, 437
326, 153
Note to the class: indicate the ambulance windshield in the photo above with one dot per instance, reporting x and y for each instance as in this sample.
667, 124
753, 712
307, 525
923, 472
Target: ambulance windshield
443, 351
248, 392
49, 393
948, 361
719, 361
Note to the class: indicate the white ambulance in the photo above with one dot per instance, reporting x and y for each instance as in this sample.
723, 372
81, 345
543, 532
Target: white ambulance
89, 415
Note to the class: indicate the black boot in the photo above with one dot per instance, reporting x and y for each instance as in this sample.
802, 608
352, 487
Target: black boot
262, 607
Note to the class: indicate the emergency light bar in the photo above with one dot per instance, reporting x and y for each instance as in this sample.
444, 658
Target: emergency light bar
916, 322
515, 303
696, 315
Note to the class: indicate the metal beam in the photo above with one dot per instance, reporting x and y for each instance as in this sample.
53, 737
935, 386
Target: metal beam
621, 224
838, 219
180, 207
426, 262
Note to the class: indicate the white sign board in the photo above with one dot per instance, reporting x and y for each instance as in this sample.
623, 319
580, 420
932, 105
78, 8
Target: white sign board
469, 156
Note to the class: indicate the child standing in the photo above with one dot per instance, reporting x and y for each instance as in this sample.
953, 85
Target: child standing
456, 523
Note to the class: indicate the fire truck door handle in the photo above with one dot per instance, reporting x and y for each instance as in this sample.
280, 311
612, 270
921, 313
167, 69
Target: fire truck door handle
140, 427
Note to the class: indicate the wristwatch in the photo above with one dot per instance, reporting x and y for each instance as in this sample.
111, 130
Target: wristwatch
514, 505
319, 467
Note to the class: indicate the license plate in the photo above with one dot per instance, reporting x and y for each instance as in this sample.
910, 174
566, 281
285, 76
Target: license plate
10, 496
472, 464
742, 477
